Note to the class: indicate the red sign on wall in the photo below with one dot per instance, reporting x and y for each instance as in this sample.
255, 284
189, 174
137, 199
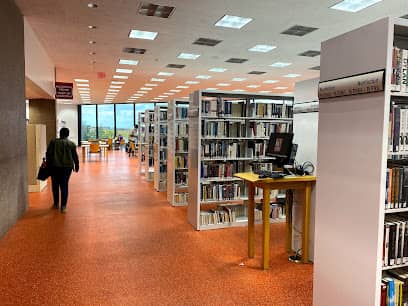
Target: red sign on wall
63, 90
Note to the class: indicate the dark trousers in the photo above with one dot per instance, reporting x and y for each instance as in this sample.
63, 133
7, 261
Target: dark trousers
60, 178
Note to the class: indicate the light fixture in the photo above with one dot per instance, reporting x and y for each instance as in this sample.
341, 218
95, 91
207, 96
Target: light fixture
253, 86
163, 96
215, 69
204, 77
223, 84
291, 75
211, 88
91, 27
113, 90
125, 77
145, 88
288, 93
151, 85
81, 81
239, 90
139, 95
270, 81
262, 48
157, 80
82, 85
238, 79
117, 82
281, 87
192, 82
234, 22
83, 89
115, 86
175, 90
169, 93
92, 5
92, 42
92, 53
151, 9
280, 64
265, 91
189, 56
143, 34
142, 91
120, 70
182, 87
353, 6
165, 73
128, 62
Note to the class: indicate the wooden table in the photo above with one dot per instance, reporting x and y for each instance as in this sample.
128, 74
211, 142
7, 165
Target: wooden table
267, 184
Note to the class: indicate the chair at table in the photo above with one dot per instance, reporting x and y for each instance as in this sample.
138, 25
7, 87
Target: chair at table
110, 142
94, 147
132, 148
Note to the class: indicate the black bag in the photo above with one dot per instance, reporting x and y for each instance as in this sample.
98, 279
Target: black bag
43, 172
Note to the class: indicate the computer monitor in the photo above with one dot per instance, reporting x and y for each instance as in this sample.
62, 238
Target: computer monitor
280, 147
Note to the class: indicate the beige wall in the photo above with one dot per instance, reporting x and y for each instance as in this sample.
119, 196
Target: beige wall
43, 112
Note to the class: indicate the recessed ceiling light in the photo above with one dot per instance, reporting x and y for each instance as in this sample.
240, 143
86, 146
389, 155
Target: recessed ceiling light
157, 80
354, 6
192, 82
165, 73
139, 95
223, 84
254, 86
84, 95
143, 34
238, 79
176, 66
215, 69
190, 56
265, 91
183, 87
211, 88
81, 81
120, 70
115, 86
262, 48
92, 5
120, 77
82, 85
174, 90
270, 81
169, 93
291, 75
92, 42
142, 91
288, 93
280, 64
299, 30
145, 88
91, 27
240, 90
281, 87
155, 10
92, 53
236, 60
151, 85
113, 90
234, 22
204, 77
117, 82
83, 89
207, 42
128, 62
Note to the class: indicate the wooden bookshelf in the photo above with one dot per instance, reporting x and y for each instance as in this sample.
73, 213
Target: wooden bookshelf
228, 131
142, 142
160, 148
149, 135
177, 171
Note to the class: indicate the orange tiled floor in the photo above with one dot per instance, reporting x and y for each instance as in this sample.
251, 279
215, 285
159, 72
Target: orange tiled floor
121, 243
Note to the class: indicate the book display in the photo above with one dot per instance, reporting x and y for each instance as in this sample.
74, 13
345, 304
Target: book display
149, 132
228, 133
160, 148
361, 198
142, 142
177, 164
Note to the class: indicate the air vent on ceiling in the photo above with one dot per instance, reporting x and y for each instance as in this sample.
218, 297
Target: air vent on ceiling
207, 42
310, 53
405, 16
178, 66
151, 9
236, 60
134, 50
256, 72
298, 30
315, 68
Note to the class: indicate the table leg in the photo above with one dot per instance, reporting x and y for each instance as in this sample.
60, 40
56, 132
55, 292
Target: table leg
306, 221
265, 225
83, 152
289, 205
251, 220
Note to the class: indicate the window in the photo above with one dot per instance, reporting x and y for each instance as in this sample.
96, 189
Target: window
106, 121
140, 108
124, 119
88, 122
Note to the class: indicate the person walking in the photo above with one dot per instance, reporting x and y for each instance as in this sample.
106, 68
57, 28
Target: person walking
61, 157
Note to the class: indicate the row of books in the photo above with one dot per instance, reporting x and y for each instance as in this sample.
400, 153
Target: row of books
163, 169
394, 288
228, 149
395, 244
223, 129
226, 214
181, 145
270, 110
219, 107
221, 170
181, 112
399, 70
163, 115
163, 141
396, 192
180, 161
398, 128
264, 129
181, 177
163, 129
163, 155
181, 197
217, 192
181, 129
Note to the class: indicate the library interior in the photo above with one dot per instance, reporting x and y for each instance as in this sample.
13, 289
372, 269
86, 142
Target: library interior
204, 152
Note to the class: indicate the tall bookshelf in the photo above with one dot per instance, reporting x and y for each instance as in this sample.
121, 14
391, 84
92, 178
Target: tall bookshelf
177, 166
142, 142
356, 143
149, 132
160, 148
228, 133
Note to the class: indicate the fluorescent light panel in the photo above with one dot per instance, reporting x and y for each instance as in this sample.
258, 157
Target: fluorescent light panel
113, 90
128, 62
192, 82
115, 86
117, 82
216, 69
169, 93
142, 91
183, 87
354, 6
81, 81
234, 22
151, 85
165, 73
253, 86
125, 77
174, 90
291, 75
262, 48
280, 64
189, 56
157, 80
82, 85
270, 81
143, 34
204, 77
211, 88
120, 70
145, 88
223, 84
281, 87
238, 79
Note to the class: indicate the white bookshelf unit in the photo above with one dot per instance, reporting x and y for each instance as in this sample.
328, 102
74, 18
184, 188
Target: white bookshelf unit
228, 132
160, 148
149, 132
177, 166
353, 152
142, 142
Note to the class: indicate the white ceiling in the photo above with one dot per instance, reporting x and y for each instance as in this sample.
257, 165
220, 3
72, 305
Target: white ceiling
62, 27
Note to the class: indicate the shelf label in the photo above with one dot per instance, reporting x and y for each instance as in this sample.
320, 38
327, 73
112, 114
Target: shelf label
353, 85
